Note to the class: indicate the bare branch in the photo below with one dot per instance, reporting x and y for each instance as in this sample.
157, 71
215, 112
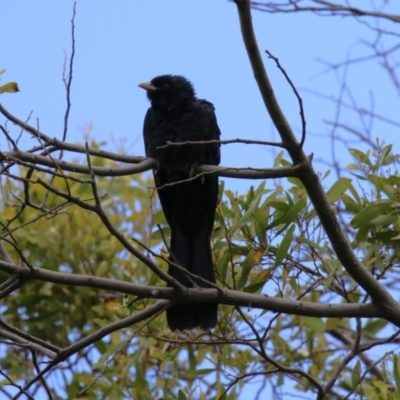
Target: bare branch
299, 99
323, 8
98, 335
197, 295
18, 341
68, 79
231, 141
309, 178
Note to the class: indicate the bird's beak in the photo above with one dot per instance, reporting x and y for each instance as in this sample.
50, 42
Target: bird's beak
147, 86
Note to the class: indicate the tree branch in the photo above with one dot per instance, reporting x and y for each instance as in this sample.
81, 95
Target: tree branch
98, 335
200, 295
326, 214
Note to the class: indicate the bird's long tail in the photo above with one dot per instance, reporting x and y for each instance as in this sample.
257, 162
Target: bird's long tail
194, 254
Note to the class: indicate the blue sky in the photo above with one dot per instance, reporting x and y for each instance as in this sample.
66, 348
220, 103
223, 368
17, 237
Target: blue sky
122, 43
119, 44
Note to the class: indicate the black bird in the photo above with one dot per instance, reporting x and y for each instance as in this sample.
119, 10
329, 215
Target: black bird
177, 115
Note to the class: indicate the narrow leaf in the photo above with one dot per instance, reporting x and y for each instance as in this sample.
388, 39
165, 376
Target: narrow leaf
294, 211
338, 188
111, 351
181, 395
355, 375
10, 87
203, 371
315, 324
284, 246
365, 216
396, 372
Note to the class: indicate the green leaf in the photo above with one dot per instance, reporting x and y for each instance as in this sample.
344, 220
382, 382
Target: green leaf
350, 204
231, 197
101, 322
328, 282
258, 282
314, 245
355, 375
290, 215
360, 177
248, 215
221, 189
354, 192
384, 220
396, 372
374, 326
353, 166
153, 279
159, 217
365, 216
326, 174
260, 219
283, 248
247, 265
160, 354
384, 158
222, 265
294, 211
260, 190
361, 236
396, 236
158, 234
279, 205
337, 189
182, 395
112, 350
200, 372
226, 211
278, 159
315, 324
289, 199
192, 359
360, 156
140, 385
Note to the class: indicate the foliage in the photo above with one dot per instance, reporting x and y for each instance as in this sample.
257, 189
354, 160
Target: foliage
267, 241
306, 265
10, 87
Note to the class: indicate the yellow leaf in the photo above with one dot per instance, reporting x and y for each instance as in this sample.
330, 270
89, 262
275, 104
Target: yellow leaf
262, 276
112, 304
10, 87
258, 253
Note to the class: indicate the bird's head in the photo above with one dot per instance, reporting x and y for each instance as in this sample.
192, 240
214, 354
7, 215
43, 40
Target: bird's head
166, 91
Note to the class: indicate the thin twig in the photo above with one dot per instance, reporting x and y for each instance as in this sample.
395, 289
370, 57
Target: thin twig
98, 335
44, 383
299, 99
68, 80
231, 141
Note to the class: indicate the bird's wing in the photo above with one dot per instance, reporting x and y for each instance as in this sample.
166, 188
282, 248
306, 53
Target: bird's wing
150, 144
213, 157
205, 189
213, 132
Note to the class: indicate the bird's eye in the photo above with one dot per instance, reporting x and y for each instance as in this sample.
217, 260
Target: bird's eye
166, 86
